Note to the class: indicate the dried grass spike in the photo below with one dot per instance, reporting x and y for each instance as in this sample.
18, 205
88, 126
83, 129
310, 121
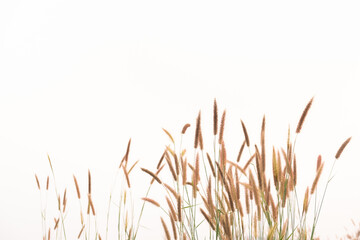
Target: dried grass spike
316, 180
64, 200
240, 152
211, 164
56, 223
342, 147
152, 201
303, 116
169, 135
89, 182
177, 165
184, 171
208, 219
37, 182
168, 160
161, 159
167, 234
275, 170
185, 127
174, 193
318, 163
82, 229
306, 201
197, 169
47, 183
201, 141
222, 126
173, 227
263, 143
179, 208
151, 174
157, 173
197, 130
171, 207
50, 163
249, 161
127, 151
215, 116
245, 134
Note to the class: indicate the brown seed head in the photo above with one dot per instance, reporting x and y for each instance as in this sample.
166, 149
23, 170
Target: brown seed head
211, 164
201, 142
157, 173
186, 126
249, 161
179, 208
318, 163
223, 156
303, 116
82, 229
37, 182
151, 174
47, 183
152, 201
207, 218
215, 115
169, 135
342, 147
240, 152
172, 220
197, 130
64, 200
275, 171
173, 192
306, 201
197, 169
222, 126
263, 143
89, 182
56, 223
245, 134
168, 160
316, 180
167, 234
161, 159
184, 171
127, 151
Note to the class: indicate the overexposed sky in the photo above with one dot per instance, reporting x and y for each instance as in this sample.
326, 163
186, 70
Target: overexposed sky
79, 78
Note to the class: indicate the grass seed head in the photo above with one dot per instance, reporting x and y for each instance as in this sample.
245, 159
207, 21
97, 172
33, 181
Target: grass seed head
185, 127
342, 147
303, 116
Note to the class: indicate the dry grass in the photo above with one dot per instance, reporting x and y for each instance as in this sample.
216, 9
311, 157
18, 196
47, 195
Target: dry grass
211, 196
272, 209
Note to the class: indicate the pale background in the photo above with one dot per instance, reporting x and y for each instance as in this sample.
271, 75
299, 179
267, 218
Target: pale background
79, 78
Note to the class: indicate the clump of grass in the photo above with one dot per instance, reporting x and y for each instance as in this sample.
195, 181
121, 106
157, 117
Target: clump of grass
207, 194
121, 207
239, 201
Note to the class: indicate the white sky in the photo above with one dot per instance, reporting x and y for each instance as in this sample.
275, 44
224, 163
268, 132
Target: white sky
79, 78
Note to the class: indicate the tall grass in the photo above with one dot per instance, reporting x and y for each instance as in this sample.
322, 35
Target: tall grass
210, 196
